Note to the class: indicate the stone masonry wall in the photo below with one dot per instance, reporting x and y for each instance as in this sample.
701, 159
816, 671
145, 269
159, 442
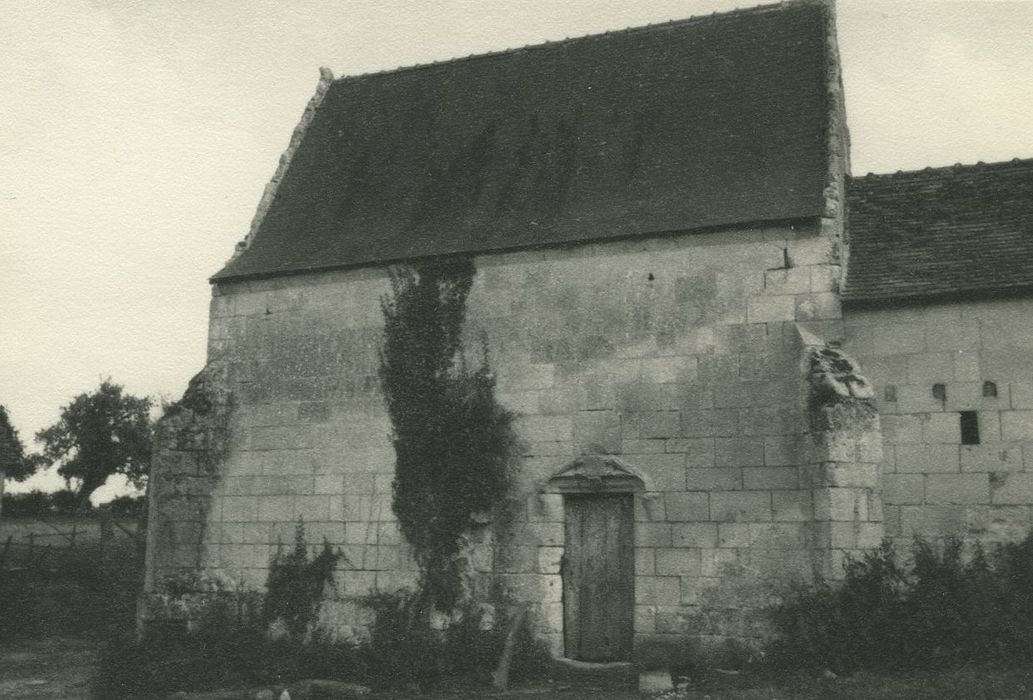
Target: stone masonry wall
929, 363
682, 355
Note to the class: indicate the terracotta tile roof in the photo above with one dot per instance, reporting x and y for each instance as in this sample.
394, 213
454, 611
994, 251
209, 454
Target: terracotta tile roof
961, 231
698, 123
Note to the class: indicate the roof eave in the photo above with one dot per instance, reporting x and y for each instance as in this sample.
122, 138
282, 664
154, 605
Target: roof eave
863, 302
222, 278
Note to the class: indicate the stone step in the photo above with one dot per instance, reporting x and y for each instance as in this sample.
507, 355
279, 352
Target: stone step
609, 674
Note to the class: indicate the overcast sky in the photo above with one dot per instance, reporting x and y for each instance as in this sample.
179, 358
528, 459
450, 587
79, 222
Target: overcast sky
136, 138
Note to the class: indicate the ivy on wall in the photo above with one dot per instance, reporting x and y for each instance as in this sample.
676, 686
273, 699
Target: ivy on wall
453, 443
296, 585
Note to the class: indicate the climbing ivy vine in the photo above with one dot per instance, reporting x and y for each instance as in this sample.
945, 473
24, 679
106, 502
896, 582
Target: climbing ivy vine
453, 443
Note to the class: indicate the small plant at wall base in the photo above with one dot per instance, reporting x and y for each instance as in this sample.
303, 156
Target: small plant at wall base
454, 444
213, 634
296, 585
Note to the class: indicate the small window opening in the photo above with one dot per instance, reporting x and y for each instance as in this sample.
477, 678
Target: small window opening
969, 428
990, 390
890, 393
940, 392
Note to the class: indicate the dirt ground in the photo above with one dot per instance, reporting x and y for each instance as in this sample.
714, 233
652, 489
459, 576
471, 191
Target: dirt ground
965, 684
60, 669
46, 669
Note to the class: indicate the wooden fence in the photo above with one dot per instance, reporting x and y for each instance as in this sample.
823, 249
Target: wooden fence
38, 545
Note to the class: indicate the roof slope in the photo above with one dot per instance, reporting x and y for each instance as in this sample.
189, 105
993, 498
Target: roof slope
697, 123
958, 231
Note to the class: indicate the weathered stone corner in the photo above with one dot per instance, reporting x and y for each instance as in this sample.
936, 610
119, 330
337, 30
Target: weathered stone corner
842, 456
191, 441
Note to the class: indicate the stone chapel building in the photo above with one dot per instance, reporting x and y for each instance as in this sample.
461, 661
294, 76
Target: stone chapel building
724, 351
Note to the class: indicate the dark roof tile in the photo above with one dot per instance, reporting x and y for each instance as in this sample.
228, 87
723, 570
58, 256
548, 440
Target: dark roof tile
940, 232
698, 123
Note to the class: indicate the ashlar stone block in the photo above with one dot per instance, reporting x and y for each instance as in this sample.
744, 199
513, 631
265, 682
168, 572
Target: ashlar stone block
740, 506
927, 459
733, 535
549, 560
694, 534
678, 561
687, 506
957, 488
903, 489
739, 452
1017, 426
718, 479
841, 504
597, 429
770, 309
791, 506
645, 561
991, 458
770, 478
1010, 488
941, 428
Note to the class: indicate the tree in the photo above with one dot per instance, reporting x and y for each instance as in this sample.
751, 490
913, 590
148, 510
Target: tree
99, 434
13, 463
454, 444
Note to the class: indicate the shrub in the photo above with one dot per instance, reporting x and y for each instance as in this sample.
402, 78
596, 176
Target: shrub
942, 610
405, 652
225, 640
402, 650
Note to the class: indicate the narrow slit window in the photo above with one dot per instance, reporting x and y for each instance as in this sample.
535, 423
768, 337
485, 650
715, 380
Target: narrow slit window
969, 428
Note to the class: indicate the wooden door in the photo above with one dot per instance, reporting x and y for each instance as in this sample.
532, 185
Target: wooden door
599, 577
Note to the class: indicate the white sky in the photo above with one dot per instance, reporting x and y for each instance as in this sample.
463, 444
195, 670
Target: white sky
136, 138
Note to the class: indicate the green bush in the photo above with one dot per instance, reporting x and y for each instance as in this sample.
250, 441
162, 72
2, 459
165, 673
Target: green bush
226, 641
943, 610
405, 652
228, 646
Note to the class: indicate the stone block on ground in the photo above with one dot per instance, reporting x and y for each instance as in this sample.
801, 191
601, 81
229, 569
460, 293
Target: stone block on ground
655, 681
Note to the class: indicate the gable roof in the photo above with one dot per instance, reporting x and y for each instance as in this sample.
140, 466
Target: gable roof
961, 231
697, 123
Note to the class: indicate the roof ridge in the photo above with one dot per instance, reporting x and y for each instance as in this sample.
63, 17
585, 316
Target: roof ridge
551, 44
957, 167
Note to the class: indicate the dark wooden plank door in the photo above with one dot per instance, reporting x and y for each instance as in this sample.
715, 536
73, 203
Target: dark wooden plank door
599, 577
